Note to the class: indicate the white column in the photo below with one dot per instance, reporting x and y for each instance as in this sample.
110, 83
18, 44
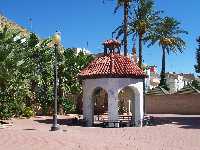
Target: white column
139, 112
129, 107
87, 107
112, 106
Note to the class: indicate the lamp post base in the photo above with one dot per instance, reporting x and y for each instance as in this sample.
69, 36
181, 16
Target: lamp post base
55, 126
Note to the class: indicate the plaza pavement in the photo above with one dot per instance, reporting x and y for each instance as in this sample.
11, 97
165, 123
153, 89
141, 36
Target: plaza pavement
171, 132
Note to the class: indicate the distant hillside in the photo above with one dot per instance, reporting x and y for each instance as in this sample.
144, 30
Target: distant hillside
5, 21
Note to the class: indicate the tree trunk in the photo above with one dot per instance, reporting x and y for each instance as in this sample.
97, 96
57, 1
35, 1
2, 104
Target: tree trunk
162, 74
140, 51
126, 27
33, 84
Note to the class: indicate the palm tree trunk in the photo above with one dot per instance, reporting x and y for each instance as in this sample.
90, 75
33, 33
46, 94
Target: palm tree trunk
162, 74
126, 27
140, 51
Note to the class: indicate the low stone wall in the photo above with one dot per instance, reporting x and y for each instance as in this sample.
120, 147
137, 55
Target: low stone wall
188, 104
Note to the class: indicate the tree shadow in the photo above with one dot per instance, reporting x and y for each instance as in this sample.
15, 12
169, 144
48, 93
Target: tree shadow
183, 121
68, 121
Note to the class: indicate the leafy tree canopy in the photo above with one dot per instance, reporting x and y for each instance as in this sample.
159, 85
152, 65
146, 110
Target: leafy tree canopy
26, 75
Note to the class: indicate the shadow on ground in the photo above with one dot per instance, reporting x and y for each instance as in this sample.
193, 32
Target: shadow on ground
183, 122
29, 129
71, 122
67, 121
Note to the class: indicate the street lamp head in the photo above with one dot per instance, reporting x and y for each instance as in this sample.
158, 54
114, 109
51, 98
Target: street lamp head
56, 38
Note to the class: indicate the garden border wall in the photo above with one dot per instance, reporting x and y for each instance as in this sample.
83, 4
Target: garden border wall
188, 104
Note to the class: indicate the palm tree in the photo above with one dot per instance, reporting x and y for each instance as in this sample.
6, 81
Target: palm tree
167, 34
143, 19
125, 4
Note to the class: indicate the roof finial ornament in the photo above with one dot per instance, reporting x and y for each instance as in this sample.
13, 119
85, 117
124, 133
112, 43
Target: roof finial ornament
111, 45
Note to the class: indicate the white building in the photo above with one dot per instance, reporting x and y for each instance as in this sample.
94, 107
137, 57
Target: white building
113, 73
177, 81
153, 79
84, 50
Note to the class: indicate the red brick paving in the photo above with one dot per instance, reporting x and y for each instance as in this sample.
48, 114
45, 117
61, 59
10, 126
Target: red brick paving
177, 133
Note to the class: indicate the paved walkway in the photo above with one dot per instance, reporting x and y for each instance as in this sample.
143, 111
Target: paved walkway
171, 132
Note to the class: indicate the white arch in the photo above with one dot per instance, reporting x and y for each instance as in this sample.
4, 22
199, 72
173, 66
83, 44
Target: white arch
138, 103
103, 102
98, 87
133, 86
129, 97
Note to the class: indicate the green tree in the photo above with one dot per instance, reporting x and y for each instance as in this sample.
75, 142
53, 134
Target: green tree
196, 84
71, 65
12, 83
167, 34
23, 77
37, 66
26, 75
43, 56
197, 66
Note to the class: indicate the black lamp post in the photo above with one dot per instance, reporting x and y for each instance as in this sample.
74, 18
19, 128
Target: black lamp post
56, 42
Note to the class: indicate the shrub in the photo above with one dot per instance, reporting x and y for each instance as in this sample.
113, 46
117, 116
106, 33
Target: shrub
10, 108
28, 112
5, 111
68, 106
196, 84
45, 99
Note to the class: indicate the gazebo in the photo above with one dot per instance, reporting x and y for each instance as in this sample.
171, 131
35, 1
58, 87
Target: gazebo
112, 72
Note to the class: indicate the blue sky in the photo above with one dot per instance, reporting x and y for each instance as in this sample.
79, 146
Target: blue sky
90, 20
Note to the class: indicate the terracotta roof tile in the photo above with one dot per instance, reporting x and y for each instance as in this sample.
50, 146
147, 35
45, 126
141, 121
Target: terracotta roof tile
112, 65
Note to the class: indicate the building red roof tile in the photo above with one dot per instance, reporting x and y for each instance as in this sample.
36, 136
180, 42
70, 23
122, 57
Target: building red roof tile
112, 65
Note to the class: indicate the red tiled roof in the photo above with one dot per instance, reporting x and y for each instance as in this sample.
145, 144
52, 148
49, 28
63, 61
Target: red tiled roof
112, 65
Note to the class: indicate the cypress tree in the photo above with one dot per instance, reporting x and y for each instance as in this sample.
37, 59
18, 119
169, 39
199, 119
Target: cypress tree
197, 66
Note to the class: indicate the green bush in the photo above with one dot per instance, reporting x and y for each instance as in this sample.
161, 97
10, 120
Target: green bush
45, 99
5, 111
10, 107
28, 112
68, 106
196, 84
